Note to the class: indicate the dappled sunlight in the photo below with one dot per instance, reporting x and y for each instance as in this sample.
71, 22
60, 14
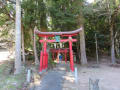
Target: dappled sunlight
62, 68
5, 55
37, 83
69, 79
56, 61
37, 80
90, 1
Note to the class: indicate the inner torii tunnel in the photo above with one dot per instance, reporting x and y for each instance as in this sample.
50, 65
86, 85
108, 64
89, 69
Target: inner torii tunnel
45, 39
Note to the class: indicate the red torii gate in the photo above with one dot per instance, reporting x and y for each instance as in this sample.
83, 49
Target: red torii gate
65, 50
44, 53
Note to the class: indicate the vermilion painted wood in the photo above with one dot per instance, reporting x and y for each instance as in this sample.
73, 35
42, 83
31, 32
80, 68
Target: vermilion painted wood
71, 54
41, 62
44, 55
47, 61
46, 35
40, 35
65, 50
62, 40
69, 35
72, 61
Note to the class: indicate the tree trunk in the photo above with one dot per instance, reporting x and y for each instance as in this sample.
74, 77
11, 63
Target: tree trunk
79, 4
96, 48
18, 38
82, 48
34, 48
23, 48
78, 50
117, 46
112, 45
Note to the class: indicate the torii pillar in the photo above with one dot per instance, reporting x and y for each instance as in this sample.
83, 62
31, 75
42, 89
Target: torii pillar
71, 54
44, 56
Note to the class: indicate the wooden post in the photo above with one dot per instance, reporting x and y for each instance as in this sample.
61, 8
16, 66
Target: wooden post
44, 57
96, 49
44, 53
71, 54
76, 75
47, 61
41, 62
29, 76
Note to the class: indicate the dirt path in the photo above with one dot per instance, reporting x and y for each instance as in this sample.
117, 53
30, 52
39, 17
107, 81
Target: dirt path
53, 80
61, 78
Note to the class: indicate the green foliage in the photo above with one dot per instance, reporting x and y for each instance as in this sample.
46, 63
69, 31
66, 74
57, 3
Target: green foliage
62, 15
3, 19
6, 21
97, 20
29, 17
50, 60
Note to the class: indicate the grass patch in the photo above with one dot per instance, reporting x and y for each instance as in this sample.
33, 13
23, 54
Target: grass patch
2, 68
10, 81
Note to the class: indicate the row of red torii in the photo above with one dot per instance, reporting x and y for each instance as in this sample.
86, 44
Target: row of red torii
45, 40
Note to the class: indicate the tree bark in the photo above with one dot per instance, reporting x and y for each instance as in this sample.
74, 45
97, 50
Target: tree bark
82, 48
117, 46
78, 50
18, 39
34, 48
23, 48
96, 48
112, 45
79, 4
